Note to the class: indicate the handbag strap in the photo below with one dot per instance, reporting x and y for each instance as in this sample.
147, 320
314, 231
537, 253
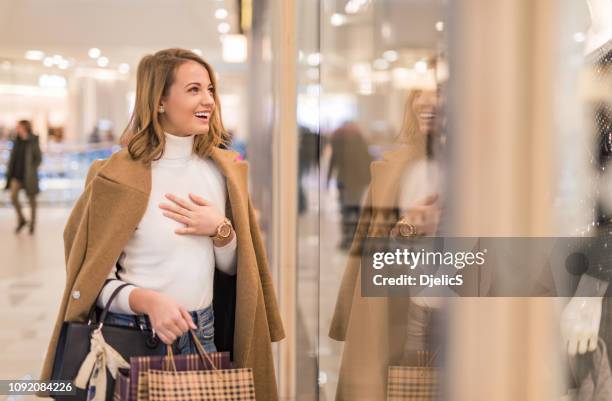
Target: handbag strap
108, 303
91, 316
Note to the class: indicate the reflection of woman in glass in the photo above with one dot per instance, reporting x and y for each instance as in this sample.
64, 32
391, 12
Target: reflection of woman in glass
170, 215
403, 200
22, 172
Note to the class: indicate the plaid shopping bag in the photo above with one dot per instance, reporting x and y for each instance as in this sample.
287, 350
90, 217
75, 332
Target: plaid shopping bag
212, 379
122, 385
413, 383
140, 365
217, 385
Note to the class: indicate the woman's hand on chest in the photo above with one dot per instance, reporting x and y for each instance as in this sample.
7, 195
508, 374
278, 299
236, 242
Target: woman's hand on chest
199, 216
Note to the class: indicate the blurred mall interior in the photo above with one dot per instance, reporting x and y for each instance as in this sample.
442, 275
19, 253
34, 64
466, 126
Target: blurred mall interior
314, 93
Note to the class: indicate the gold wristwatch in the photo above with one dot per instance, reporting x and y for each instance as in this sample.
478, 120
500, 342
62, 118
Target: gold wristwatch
224, 230
406, 229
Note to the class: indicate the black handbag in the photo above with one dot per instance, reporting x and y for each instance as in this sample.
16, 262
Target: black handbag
74, 345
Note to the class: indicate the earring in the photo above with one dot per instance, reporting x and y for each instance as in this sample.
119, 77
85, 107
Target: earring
161, 109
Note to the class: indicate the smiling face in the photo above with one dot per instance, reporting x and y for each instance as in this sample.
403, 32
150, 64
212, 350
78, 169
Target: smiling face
189, 103
424, 107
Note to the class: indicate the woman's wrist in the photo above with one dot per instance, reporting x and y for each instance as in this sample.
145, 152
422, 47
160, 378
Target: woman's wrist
140, 300
223, 231
220, 242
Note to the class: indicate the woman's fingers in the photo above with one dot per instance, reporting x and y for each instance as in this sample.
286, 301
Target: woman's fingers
198, 200
166, 335
171, 330
428, 200
177, 217
180, 201
175, 209
186, 230
177, 327
182, 324
188, 319
166, 339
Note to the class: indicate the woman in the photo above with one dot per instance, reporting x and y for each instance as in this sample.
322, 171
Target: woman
161, 214
403, 200
22, 172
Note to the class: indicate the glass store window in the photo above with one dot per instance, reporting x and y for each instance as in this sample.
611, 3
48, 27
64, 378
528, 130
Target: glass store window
383, 75
459, 119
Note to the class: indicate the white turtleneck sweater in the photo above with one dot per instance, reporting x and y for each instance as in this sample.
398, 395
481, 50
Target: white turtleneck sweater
155, 257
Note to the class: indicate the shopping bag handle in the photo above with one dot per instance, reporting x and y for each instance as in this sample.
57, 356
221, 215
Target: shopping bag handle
426, 358
201, 351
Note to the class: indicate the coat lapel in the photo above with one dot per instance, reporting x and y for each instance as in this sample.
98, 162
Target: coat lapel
236, 174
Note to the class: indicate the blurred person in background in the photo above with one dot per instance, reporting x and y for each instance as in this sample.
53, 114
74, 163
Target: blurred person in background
22, 172
308, 160
350, 161
94, 135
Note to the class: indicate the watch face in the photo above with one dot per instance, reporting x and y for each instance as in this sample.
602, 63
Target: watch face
225, 230
405, 230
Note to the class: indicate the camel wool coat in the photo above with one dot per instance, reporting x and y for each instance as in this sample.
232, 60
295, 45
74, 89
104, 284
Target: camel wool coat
103, 220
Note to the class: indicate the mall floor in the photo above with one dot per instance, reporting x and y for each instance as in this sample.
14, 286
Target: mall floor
32, 280
31, 283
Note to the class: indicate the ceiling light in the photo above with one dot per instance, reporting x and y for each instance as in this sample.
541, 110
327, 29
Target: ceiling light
51, 81
390, 56
234, 48
102, 61
420, 66
223, 27
361, 70
221, 13
64, 64
439, 26
48, 62
57, 59
94, 52
124, 68
354, 6
351, 7
381, 64
314, 59
338, 19
36, 55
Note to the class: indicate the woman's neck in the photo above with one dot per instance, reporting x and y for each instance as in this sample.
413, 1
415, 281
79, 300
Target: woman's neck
178, 147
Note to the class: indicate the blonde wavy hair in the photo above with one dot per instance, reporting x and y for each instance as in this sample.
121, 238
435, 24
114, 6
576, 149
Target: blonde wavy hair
410, 126
144, 135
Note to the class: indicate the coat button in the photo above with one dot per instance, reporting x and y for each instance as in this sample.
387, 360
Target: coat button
76, 294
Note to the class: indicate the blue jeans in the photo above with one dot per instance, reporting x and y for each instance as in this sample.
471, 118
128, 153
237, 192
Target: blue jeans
204, 320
